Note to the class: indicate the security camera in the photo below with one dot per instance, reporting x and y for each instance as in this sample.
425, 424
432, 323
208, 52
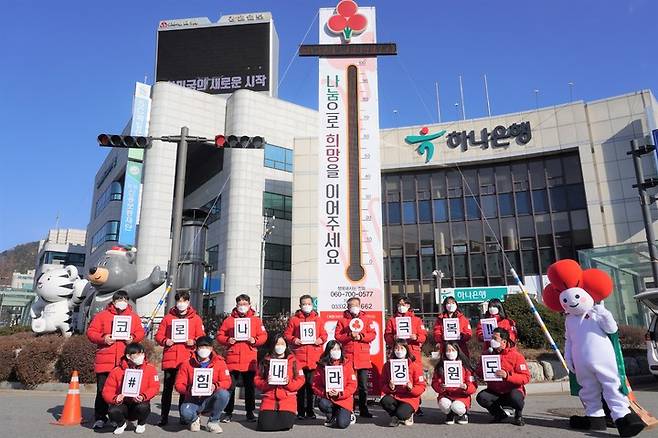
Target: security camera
437, 273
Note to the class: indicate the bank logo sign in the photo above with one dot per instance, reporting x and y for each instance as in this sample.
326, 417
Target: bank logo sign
425, 147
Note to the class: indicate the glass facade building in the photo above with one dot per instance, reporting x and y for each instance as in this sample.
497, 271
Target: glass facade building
473, 222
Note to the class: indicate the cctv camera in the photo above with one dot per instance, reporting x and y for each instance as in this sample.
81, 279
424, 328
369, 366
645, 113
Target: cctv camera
435, 273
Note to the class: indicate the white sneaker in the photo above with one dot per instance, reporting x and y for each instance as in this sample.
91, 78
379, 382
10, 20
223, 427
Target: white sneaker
214, 427
195, 426
395, 422
140, 428
98, 424
120, 429
409, 421
352, 419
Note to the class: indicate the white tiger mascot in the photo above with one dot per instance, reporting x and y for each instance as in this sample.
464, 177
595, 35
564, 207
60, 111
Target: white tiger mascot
60, 291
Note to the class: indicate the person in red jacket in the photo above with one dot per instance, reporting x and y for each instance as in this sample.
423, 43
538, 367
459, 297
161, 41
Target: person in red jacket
402, 400
337, 405
110, 351
510, 391
131, 408
279, 390
176, 352
454, 400
193, 404
306, 351
355, 333
451, 310
496, 310
242, 342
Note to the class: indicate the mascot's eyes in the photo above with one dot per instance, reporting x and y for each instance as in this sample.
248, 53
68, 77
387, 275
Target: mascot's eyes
577, 296
564, 300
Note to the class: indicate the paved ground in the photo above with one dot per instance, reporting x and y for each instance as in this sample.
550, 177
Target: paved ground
29, 414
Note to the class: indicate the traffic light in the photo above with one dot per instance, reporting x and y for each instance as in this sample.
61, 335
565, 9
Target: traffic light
124, 141
243, 142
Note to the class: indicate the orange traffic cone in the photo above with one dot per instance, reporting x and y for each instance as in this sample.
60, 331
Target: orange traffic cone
72, 412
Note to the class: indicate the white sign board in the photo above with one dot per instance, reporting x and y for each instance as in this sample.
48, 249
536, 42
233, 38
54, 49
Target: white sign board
121, 327
307, 332
453, 373
179, 330
399, 371
202, 382
334, 380
488, 326
278, 373
451, 329
403, 327
132, 382
491, 364
242, 330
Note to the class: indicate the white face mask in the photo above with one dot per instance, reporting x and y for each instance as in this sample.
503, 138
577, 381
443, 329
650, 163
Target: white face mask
451, 307
307, 308
204, 353
182, 306
243, 309
355, 310
493, 311
451, 355
400, 354
494, 344
403, 309
279, 349
137, 359
335, 354
121, 305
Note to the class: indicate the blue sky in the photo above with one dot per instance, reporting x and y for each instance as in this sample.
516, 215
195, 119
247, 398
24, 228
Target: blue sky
68, 69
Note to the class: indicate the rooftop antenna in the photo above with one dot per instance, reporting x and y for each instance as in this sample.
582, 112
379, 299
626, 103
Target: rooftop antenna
457, 109
486, 92
438, 101
536, 91
461, 93
570, 84
57, 226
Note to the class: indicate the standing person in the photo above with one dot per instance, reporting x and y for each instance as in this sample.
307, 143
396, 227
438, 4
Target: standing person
175, 353
454, 401
401, 401
242, 343
510, 391
496, 310
451, 310
193, 405
110, 351
279, 402
131, 408
354, 331
338, 406
306, 352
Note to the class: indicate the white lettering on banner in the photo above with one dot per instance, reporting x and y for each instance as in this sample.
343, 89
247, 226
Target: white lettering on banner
307, 333
334, 380
488, 326
179, 330
132, 382
403, 327
451, 329
278, 372
202, 382
453, 373
490, 364
121, 325
242, 330
399, 371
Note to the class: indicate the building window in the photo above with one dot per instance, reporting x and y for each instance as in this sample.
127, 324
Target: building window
277, 257
108, 233
394, 214
112, 193
409, 210
62, 258
213, 209
277, 205
212, 257
273, 306
278, 158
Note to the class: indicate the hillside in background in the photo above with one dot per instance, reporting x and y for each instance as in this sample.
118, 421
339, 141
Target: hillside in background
20, 258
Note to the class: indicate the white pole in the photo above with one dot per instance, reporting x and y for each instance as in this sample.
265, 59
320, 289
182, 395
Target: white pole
438, 101
461, 93
486, 91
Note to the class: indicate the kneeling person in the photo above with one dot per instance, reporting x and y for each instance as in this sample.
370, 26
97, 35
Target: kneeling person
402, 400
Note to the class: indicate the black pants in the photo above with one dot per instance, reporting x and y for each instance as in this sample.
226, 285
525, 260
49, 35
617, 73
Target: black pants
249, 392
167, 390
100, 407
362, 377
305, 395
340, 415
396, 408
494, 402
130, 411
273, 421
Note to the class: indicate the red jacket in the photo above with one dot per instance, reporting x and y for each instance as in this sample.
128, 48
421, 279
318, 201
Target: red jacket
456, 394
149, 388
518, 375
281, 397
417, 328
241, 356
178, 353
221, 377
307, 355
344, 399
507, 324
464, 328
109, 356
357, 352
401, 392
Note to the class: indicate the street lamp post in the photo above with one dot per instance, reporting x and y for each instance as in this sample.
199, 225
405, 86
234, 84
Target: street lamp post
438, 274
268, 227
